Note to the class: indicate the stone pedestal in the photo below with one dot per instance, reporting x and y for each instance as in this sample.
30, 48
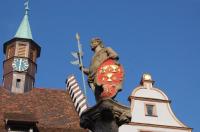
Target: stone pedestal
106, 116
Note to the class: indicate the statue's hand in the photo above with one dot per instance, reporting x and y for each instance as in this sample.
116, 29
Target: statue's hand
90, 79
85, 70
81, 67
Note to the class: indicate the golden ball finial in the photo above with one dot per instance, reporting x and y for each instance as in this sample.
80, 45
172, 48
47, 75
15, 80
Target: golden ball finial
146, 77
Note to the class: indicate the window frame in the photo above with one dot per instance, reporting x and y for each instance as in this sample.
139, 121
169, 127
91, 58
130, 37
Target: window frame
18, 83
154, 111
22, 49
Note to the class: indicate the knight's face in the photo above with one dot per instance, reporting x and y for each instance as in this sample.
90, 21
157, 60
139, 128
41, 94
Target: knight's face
94, 44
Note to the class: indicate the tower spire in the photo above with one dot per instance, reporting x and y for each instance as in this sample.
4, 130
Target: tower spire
24, 30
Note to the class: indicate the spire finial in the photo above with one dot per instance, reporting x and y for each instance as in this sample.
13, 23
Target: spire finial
147, 80
24, 30
26, 4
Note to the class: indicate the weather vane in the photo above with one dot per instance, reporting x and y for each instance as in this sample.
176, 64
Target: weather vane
26, 4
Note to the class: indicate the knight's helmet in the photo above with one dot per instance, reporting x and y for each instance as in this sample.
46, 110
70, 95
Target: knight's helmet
97, 41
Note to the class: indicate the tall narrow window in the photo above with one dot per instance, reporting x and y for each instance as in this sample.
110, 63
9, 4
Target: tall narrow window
10, 52
18, 83
8, 55
32, 54
22, 50
150, 110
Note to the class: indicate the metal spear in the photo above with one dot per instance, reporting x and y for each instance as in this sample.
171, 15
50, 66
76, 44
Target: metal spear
81, 61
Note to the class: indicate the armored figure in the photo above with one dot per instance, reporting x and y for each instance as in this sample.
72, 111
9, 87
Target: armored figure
105, 74
105, 77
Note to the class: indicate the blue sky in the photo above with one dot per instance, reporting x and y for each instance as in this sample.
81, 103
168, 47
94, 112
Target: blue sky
154, 36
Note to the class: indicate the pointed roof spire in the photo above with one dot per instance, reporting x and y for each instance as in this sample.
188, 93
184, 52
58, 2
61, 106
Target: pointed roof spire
24, 30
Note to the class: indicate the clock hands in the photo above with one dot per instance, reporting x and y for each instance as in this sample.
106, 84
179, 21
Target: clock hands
20, 64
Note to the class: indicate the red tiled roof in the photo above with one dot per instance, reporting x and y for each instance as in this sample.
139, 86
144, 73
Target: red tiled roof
52, 108
20, 117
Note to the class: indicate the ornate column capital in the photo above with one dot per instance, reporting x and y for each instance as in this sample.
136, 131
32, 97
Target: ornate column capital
106, 115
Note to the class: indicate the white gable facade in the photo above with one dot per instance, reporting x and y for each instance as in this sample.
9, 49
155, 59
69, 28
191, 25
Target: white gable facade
151, 111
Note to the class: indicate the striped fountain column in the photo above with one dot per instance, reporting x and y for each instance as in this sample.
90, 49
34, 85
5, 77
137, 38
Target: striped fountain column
76, 94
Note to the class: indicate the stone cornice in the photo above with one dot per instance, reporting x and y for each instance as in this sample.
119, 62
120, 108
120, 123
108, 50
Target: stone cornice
158, 126
148, 99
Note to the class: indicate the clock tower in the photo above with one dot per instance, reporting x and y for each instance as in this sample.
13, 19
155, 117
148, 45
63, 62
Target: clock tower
21, 54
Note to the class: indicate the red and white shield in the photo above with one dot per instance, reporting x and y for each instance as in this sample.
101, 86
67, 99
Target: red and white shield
110, 76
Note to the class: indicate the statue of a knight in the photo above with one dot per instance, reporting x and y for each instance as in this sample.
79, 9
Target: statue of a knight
105, 74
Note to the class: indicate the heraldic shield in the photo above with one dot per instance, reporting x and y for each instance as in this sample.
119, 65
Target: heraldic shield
110, 76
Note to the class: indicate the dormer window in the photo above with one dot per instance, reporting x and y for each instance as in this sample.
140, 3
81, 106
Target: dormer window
150, 110
16, 122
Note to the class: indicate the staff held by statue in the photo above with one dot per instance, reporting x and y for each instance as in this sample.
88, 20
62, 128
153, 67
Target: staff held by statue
78, 55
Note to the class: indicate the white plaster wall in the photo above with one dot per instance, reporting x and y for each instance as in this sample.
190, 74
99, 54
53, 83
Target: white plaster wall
149, 93
15, 77
164, 115
130, 128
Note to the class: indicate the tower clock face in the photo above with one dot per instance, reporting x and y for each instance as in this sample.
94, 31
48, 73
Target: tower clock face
20, 64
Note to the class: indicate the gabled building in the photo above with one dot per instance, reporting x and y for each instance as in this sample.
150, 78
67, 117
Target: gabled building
151, 110
24, 108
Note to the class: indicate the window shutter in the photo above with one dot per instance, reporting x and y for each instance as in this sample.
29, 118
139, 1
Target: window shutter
21, 50
10, 52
